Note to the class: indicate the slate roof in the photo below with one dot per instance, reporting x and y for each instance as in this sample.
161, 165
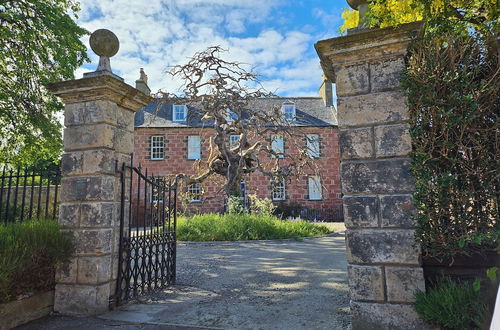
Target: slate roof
310, 111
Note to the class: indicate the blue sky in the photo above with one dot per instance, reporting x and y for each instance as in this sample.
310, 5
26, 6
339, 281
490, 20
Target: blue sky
275, 37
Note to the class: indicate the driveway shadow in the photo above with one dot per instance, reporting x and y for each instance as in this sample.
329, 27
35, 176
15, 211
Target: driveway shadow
288, 284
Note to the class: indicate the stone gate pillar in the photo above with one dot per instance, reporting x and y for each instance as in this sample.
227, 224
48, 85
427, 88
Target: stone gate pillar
384, 261
99, 125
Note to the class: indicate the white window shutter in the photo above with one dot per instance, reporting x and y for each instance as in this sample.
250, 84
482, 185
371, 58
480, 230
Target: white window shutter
194, 147
314, 186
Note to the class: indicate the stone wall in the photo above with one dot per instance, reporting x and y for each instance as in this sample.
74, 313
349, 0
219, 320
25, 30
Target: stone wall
330, 207
384, 262
98, 137
31, 197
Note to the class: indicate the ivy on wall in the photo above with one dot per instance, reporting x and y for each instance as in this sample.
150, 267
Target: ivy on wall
452, 80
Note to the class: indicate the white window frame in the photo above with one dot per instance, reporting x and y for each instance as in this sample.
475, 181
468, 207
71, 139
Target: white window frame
195, 191
289, 110
278, 191
194, 147
278, 145
314, 188
178, 109
157, 147
233, 140
312, 145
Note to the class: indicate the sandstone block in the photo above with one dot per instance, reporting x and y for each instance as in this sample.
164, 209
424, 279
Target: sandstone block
369, 316
115, 243
88, 137
73, 189
67, 272
360, 211
99, 188
123, 141
117, 214
366, 283
397, 211
99, 161
352, 79
376, 176
72, 163
81, 299
356, 143
114, 267
403, 282
386, 75
125, 119
98, 214
69, 215
393, 140
373, 108
93, 241
371, 246
123, 158
92, 112
94, 270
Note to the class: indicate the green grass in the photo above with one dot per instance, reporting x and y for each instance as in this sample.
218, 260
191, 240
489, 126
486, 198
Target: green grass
243, 227
29, 253
451, 305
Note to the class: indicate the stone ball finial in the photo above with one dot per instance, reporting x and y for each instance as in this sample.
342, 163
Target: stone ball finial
356, 3
104, 43
362, 7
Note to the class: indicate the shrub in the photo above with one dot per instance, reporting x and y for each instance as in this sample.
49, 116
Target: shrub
29, 253
453, 87
451, 305
13, 215
236, 205
238, 227
261, 205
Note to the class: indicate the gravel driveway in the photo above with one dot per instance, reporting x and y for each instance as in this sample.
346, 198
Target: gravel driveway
288, 284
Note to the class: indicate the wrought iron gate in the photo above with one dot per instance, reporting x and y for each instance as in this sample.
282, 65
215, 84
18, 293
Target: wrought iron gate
147, 251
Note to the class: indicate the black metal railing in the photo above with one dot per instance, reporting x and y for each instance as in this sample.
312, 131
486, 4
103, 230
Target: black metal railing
147, 252
28, 194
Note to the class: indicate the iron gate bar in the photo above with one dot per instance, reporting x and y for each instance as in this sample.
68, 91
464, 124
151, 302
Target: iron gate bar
15, 188
8, 196
32, 192
39, 198
24, 194
147, 250
55, 202
15, 194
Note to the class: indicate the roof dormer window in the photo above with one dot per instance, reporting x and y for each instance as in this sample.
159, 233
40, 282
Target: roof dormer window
288, 111
179, 112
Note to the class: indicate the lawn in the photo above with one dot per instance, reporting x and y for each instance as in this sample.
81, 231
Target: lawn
243, 227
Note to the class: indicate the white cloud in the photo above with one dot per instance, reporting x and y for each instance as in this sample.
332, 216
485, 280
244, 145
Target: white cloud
156, 34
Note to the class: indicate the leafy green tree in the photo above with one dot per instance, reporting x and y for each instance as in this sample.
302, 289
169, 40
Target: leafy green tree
40, 43
481, 15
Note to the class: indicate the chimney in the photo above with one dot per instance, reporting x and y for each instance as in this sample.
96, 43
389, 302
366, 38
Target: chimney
326, 92
142, 83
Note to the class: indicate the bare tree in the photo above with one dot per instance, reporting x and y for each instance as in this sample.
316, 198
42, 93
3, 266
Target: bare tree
224, 92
